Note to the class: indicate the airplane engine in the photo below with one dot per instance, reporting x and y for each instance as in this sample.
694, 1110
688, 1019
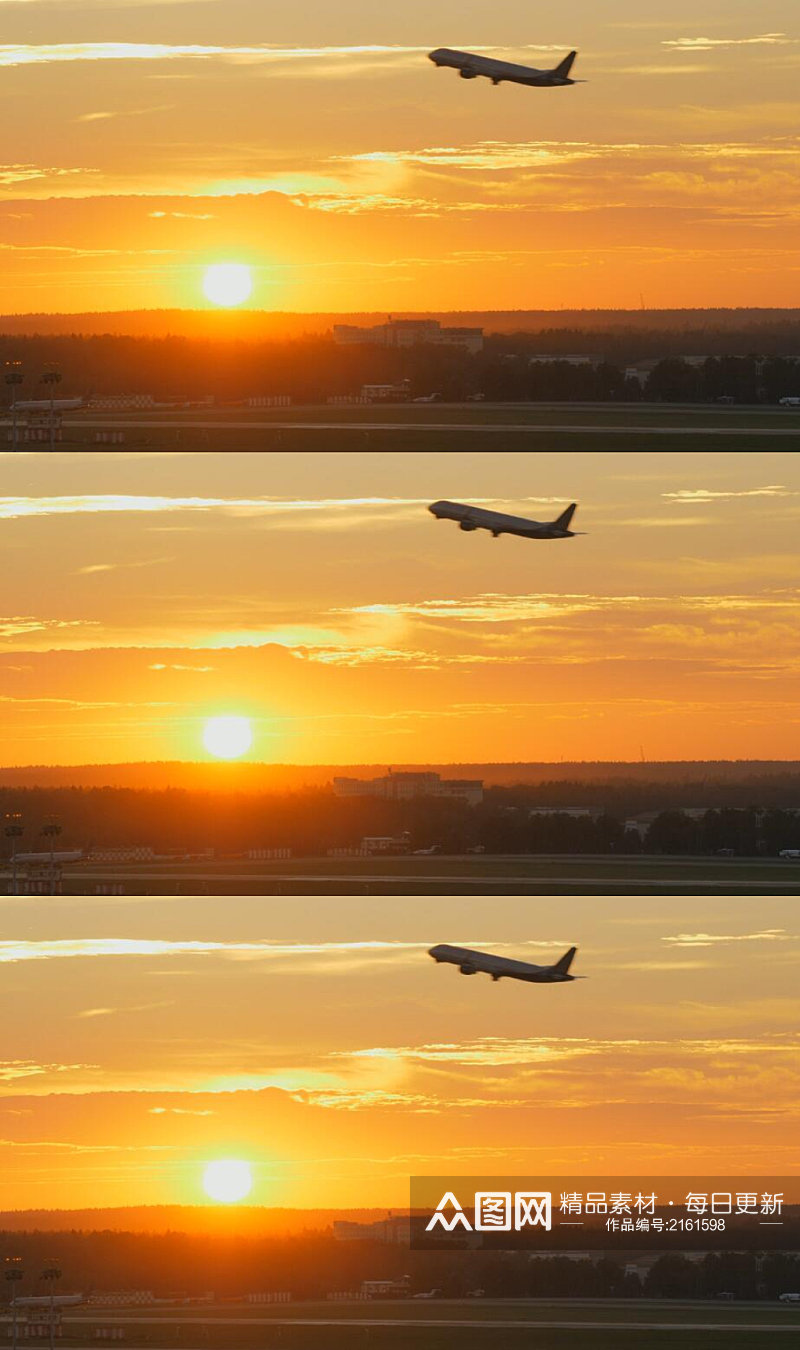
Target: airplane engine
468, 74
468, 970
466, 525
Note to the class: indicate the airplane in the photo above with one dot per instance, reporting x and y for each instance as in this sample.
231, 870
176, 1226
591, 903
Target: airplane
497, 522
46, 1301
47, 405
499, 967
470, 66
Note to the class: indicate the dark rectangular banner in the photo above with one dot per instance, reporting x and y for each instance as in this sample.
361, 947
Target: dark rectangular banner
622, 1214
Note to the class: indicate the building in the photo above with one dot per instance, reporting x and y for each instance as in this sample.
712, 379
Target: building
575, 812
387, 1288
592, 361
386, 393
395, 1229
385, 843
406, 786
409, 333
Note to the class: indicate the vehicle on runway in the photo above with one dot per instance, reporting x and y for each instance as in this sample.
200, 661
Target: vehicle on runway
497, 522
501, 967
469, 66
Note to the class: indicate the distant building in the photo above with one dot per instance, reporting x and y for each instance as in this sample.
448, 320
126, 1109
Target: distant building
385, 843
395, 1229
409, 333
568, 360
576, 812
269, 401
386, 393
387, 1288
405, 786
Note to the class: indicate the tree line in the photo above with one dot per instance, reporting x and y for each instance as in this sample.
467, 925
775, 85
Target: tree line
311, 1265
510, 368
313, 822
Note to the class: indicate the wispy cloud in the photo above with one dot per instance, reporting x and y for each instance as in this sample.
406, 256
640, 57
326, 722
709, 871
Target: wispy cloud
725, 939
707, 44
20, 508
701, 496
26, 54
73, 948
11, 1070
19, 625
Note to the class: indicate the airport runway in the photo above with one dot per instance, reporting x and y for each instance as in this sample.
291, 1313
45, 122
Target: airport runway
724, 884
505, 1324
506, 428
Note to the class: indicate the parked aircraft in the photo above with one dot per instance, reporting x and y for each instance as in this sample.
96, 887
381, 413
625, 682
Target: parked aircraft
48, 405
500, 967
469, 66
497, 522
47, 1301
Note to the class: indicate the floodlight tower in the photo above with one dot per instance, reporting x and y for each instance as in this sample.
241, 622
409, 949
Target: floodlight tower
13, 378
13, 1273
52, 1272
52, 377
51, 830
13, 830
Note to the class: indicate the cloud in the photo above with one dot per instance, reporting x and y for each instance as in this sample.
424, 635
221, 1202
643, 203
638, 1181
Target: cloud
11, 174
11, 1070
21, 508
706, 44
724, 939
702, 496
195, 670
177, 1111
19, 625
113, 1012
12, 951
26, 54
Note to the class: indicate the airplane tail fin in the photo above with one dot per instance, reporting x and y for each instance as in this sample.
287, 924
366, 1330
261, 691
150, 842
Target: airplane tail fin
561, 967
565, 66
563, 521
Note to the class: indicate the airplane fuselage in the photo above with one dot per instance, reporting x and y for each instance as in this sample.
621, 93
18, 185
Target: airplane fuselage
497, 522
499, 967
469, 65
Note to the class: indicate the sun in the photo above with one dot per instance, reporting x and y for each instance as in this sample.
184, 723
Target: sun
227, 1180
228, 737
228, 283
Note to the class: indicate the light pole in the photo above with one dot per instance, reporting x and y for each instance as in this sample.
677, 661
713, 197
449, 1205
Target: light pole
51, 830
52, 376
52, 1273
13, 1273
14, 378
13, 831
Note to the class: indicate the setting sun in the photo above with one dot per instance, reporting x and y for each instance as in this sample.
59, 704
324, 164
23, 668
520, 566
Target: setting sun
227, 1180
228, 283
228, 737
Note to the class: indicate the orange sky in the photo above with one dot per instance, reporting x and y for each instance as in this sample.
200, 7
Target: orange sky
317, 596
318, 145
158, 1034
